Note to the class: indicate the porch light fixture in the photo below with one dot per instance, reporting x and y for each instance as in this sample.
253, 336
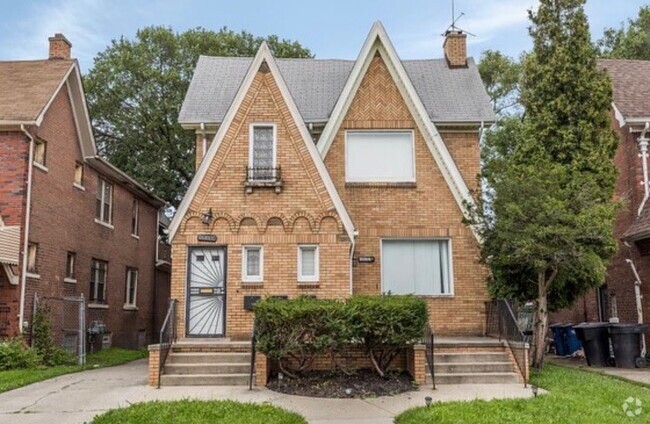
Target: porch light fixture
206, 218
534, 389
428, 400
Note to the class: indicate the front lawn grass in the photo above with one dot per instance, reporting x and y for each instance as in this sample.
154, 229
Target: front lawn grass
194, 411
575, 397
14, 379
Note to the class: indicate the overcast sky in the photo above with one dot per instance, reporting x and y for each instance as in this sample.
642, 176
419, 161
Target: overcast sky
331, 29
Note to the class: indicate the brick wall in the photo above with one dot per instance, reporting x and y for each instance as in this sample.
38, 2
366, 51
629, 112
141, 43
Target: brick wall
302, 213
62, 220
425, 209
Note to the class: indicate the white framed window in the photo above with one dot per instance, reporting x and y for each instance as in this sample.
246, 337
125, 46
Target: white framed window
32, 253
98, 274
252, 264
78, 174
135, 217
308, 266
262, 152
379, 156
39, 152
417, 266
131, 292
104, 201
70, 262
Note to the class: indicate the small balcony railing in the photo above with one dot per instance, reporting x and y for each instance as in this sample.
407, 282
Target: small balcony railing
263, 177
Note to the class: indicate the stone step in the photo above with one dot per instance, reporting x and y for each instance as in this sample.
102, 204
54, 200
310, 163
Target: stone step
217, 369
475, 378
467, 357
204, 380
209, 358
473, 367
202, 346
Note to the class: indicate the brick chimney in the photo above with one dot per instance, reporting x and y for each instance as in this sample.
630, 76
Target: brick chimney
59, 47
455, 47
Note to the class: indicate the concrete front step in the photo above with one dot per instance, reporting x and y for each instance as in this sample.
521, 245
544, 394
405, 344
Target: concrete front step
467, 357
209, 358
475, 378
184, 369
240, 379
473, 367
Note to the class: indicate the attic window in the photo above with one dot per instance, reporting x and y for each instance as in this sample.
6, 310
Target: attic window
39, 152
379, 157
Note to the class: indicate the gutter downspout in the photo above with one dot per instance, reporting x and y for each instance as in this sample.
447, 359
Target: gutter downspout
352, 248
639, 307
23, 273
643, 146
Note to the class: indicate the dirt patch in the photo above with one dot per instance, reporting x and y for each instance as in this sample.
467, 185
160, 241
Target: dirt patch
362, 384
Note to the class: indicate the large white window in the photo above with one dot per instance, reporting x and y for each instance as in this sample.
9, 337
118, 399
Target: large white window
421, 267
307, 263
104, 202
379, 156
262, 153
131, 291
252, 264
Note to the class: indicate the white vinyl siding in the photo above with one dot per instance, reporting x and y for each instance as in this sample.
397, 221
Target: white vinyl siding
308, 263
252, 264
379, 156
421, 267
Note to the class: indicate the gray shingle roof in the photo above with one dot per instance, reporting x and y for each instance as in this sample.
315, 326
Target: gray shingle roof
449, 95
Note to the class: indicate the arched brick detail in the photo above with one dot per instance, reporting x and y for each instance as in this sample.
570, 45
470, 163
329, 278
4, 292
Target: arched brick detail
279, 216
302, 214
258, 222
329, 214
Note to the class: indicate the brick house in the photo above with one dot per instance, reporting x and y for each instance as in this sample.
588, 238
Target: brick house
70, 222
616, 298
330, 178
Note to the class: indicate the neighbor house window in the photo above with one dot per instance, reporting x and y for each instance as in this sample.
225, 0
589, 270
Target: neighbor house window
253, 264
421, 267
39, 151
79, 174
131, 287
70, 262
98, 273
135, 216
308, 263
379, 156
262, 153
104, 202
32, 251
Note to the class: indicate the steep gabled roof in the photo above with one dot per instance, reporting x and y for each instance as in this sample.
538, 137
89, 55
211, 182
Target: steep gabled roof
378, 41
631, 84
449, 95
263, 56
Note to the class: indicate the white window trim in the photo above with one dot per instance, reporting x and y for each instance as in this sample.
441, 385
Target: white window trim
107, 221
451, 262
40, 166
380, 181
135, 234
251, 131
94, 295
244, 262
133, 303
78, 186
309, 278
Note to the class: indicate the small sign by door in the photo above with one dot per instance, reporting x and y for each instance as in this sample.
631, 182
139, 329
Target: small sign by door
366, 259
207, 238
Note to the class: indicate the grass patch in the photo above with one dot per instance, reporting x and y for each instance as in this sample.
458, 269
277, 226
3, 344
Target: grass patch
575, 397
194, 411
14, 379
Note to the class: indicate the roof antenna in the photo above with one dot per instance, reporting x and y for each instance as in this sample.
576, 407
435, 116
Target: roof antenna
454, 19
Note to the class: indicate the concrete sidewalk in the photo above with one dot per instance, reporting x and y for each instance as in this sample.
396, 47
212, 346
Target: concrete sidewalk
77, 398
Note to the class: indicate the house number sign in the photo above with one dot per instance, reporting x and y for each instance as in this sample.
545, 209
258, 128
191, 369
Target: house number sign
366, 259
208, 238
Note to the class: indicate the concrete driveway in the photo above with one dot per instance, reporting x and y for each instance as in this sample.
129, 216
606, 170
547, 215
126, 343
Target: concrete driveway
77, 398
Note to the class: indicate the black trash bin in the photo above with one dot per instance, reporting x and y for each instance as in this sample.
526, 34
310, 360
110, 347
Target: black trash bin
595, 340
626, 340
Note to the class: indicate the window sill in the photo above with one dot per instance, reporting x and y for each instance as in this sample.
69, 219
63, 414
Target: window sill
41, 167
308, 283
436, 296
33, 275
274, 184
70, 280
403, 184
130, 307
97, 306
252, 283
135, 236
78, 186
105, 224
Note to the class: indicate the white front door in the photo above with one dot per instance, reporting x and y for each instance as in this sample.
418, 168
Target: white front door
206, 299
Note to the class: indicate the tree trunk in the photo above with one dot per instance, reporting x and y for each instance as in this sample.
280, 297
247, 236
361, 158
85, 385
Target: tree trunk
541, 321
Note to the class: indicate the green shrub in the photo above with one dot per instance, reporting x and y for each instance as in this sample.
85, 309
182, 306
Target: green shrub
386, 324
43, 342
15, 355
296, 331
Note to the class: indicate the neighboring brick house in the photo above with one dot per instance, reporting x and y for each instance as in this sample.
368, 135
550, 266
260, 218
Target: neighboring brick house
630, 115
70, 222
330, 178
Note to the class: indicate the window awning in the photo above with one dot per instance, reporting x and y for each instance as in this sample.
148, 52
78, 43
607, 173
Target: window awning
9, 245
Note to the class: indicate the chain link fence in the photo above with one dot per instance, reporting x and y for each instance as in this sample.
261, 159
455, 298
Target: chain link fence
67, 317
